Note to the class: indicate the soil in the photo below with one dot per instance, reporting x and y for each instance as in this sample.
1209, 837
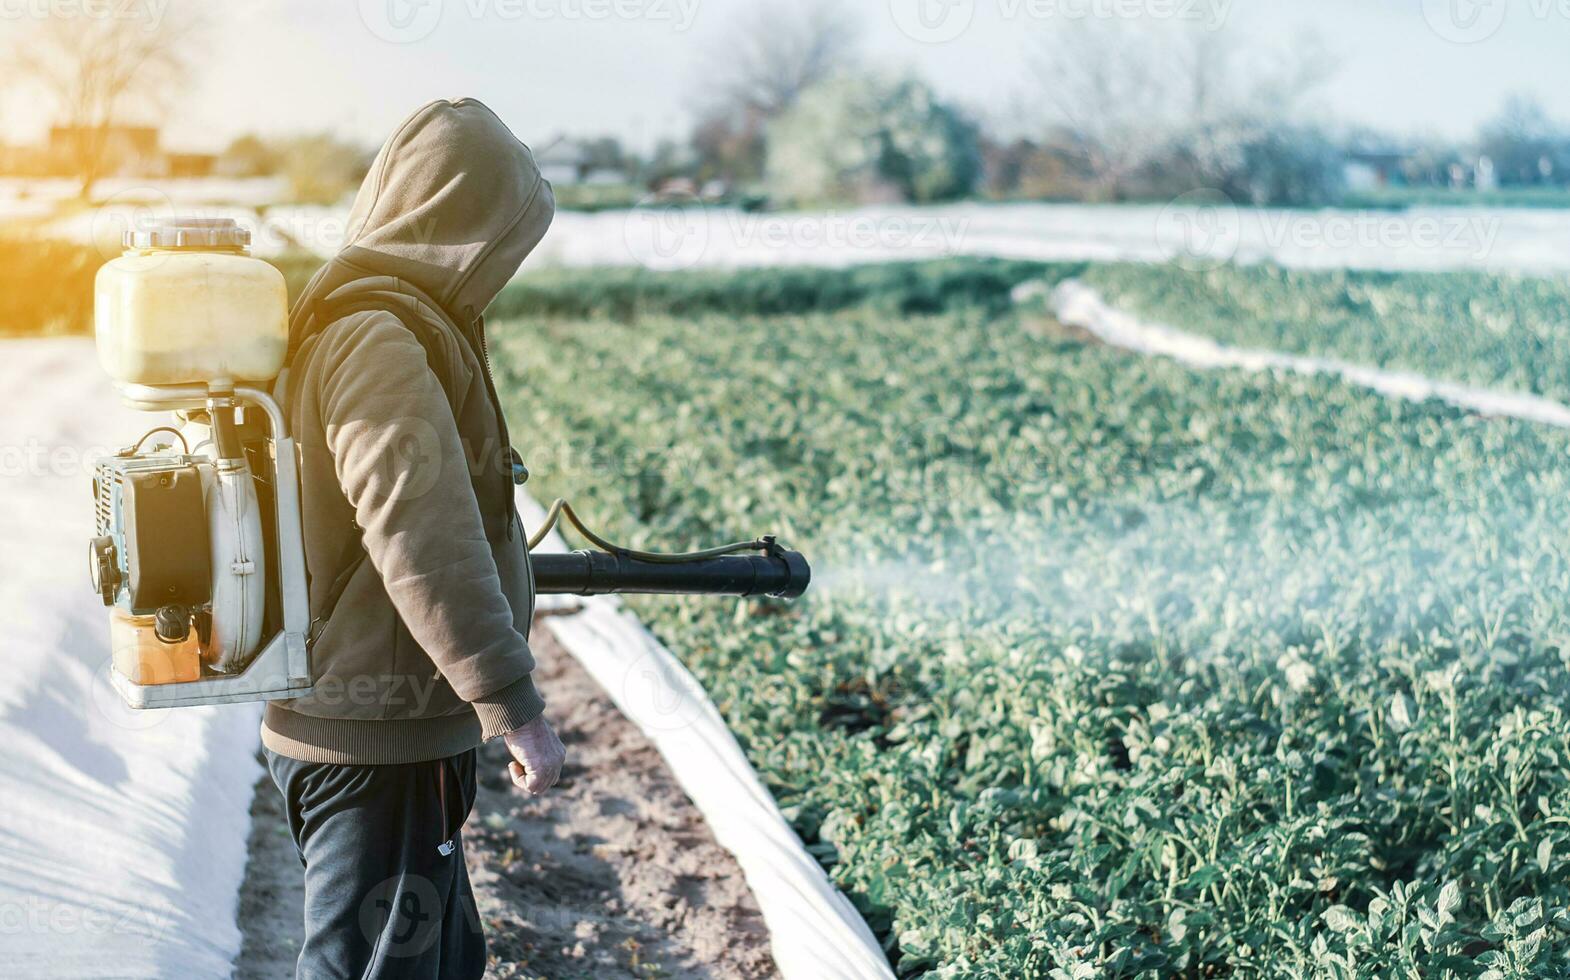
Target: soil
1051, 328
611, 874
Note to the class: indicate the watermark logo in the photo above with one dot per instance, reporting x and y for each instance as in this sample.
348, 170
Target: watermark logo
667, 232
405, 460
1464, 21
108, 703
402, 916
658, 695
128, 210
932, 21
1199, 230
401, 21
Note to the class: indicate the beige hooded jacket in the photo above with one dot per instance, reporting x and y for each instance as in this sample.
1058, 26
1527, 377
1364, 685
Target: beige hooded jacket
420, 651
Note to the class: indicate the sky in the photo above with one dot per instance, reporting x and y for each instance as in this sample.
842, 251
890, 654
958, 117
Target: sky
638, 69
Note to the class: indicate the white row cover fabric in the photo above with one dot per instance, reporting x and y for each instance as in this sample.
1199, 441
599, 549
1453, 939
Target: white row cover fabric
1078, 305
1200, 225
815, 932
122, 833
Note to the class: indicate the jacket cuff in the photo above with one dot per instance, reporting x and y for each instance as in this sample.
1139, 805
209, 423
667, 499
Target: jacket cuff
509, 709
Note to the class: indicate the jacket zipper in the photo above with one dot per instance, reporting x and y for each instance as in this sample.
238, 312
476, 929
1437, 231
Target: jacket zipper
476, 326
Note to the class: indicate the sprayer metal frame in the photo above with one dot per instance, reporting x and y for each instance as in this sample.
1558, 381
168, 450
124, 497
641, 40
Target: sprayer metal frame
282, 669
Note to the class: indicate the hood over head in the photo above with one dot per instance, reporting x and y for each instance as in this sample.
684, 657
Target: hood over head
452, 205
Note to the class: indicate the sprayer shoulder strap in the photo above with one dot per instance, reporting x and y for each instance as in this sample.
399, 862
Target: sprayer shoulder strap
353, 554
436, 353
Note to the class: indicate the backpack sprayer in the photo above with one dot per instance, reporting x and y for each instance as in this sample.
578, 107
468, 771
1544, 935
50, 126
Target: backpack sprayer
199, 549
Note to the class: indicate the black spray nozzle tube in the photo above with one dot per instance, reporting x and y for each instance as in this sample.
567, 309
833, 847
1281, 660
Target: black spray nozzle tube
779, 572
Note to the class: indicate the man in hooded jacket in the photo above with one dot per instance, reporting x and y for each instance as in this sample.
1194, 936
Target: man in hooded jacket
420, 586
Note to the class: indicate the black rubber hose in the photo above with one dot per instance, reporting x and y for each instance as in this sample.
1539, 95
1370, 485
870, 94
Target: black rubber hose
226, 435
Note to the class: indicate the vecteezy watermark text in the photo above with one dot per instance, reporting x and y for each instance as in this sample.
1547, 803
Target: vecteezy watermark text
149, 12
938, 21
38, 459
407, 21
40, 915
678, 13
1469, 235
678, 234
1204, 228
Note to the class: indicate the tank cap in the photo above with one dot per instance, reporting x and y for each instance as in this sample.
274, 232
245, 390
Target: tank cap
195, 233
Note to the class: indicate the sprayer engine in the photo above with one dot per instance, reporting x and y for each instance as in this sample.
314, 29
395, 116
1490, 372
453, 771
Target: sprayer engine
180, 556
151, 552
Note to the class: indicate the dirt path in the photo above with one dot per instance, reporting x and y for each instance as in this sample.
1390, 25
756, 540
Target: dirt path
612, 874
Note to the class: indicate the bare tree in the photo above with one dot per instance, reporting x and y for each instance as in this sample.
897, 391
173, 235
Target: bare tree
1283, 81
1130, 99
778, 50
1524, 143
1105, 83
98, 71
1206, 66
784, 48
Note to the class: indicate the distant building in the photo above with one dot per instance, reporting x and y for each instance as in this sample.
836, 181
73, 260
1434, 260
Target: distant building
190, 164
560, 161
123, 149
24, 161
1370, 168
127, 151
564, 162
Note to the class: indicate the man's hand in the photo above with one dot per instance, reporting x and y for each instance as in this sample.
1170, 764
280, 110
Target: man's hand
538, 756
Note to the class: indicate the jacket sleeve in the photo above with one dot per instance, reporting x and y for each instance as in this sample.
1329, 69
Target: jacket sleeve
398, 457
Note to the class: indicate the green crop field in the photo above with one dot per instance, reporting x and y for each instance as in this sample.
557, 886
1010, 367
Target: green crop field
1491, 330
1111, 668
1499, 331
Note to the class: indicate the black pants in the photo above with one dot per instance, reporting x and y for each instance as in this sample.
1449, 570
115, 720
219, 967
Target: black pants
386, 891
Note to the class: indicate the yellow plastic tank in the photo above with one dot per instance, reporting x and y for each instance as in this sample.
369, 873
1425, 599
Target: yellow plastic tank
187, 303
